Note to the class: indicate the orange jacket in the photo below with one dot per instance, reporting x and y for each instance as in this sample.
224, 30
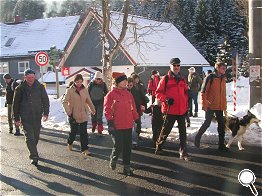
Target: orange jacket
213, 93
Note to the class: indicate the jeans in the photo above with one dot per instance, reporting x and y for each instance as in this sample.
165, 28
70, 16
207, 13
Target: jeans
82, 128
194, 99
220, 128
122, 142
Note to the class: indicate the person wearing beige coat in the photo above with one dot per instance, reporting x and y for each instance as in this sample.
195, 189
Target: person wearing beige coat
78, 105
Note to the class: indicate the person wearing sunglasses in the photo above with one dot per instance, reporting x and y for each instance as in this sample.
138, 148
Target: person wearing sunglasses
172, 91
213, 98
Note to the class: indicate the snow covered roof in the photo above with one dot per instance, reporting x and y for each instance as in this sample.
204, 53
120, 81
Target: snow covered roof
158, 42
36, 35
50, 77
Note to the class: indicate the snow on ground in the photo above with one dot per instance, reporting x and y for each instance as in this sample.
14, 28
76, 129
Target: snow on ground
58, 119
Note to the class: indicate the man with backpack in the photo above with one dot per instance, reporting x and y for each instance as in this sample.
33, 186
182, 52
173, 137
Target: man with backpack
172, 91
213, 97
97, 90
11, 84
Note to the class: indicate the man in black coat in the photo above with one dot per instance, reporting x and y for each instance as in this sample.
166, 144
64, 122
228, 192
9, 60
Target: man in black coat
11, 84
30, 105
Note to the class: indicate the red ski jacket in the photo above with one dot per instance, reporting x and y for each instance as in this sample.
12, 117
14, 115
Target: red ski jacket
119, 106
178, 90
152, 85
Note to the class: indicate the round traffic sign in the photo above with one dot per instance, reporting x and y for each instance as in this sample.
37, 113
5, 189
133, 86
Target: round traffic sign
41, 58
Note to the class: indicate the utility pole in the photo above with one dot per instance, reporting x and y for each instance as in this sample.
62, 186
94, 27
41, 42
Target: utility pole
255, 51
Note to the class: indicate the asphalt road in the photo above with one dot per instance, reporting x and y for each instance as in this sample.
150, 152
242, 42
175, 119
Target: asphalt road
61, 172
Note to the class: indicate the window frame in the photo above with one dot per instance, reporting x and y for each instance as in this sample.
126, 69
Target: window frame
25, 63
1, 67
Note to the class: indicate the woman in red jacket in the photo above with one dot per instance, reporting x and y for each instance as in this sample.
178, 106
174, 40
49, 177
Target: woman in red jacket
172, 92
152, 84
120, 112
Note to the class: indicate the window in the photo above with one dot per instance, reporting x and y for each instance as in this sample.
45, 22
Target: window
9, 42
22, 66
4, 67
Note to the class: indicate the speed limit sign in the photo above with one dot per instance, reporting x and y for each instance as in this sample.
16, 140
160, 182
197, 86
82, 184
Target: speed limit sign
41, 58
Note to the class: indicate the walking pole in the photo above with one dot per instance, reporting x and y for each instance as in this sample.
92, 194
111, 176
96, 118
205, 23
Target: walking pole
163, 127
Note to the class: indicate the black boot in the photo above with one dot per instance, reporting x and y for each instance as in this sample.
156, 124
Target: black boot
188, 124
127, 171
197, 140
17, 132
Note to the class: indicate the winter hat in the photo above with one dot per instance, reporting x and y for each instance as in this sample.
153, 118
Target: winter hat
175, 61
153, 72
98, 74
28, 71
7, 76
192, 69
119, 77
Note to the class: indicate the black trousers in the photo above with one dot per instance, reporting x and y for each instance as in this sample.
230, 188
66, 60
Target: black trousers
220, 128
82, 129
170, 120
32, 133
122, 140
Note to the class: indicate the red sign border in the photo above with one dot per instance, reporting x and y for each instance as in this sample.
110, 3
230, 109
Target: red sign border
36, 56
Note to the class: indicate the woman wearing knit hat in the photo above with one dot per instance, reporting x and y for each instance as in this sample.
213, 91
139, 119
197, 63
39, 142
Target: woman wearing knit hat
97, 90
120, 112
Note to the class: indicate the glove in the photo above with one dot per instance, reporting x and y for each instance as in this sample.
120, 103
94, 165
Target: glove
170, 101
137, 121
71, 119
111, 127
5, 104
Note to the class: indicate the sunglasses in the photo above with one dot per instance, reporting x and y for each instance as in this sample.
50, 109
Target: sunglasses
176, 65
98, 79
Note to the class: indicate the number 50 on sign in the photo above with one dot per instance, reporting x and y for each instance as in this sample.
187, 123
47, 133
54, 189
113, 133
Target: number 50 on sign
41, 58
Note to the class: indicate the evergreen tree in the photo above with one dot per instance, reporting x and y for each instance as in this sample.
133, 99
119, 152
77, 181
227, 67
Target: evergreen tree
53, 10
29, 9
71, 8
7, 7
202, 28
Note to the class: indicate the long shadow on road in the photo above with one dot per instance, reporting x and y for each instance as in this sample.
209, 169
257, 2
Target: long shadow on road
97, 181
23, 187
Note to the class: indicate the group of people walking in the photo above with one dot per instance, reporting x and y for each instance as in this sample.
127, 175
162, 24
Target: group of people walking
123, 107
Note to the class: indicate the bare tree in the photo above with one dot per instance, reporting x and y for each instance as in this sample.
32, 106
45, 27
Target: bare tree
109, 51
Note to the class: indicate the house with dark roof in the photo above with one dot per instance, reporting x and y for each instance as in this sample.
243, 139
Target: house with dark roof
20, 41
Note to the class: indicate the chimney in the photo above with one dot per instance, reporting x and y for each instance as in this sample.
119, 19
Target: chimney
17, 19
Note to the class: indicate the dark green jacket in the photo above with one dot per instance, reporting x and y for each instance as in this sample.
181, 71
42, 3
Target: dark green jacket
30, 103
194, 82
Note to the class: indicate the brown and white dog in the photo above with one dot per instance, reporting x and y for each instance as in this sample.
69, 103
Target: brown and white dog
238, 127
